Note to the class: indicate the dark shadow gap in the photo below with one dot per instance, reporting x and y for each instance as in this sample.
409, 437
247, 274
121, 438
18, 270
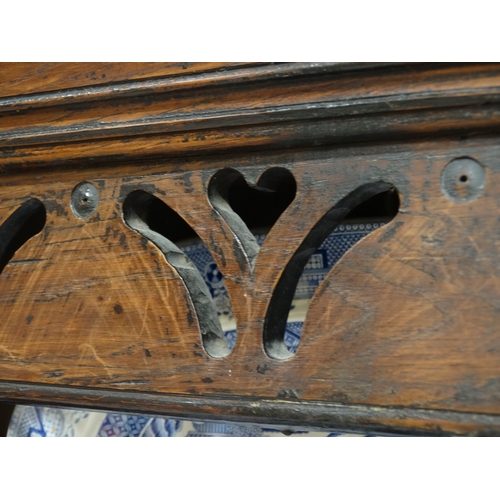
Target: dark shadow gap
24, 223
6, 411
368, 208
156, 221
247, 208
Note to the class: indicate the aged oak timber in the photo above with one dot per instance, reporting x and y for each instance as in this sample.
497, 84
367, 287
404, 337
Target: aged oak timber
105, 168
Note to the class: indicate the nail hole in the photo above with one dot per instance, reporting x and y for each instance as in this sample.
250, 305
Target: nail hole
463, 178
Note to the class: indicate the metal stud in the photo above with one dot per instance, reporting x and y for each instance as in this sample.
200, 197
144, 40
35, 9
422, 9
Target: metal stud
463, 180
84, 200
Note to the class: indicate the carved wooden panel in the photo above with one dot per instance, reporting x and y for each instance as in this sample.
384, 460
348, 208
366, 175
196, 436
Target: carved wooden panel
101, 308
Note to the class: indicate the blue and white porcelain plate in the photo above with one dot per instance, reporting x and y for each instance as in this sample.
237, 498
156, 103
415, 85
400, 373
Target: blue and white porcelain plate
33, 421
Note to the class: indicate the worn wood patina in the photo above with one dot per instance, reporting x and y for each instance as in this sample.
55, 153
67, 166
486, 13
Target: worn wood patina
100, 179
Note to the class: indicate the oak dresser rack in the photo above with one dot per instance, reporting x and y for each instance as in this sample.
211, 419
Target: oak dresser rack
104, 168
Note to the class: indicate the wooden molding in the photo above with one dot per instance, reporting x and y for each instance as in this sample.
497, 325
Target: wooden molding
99, 309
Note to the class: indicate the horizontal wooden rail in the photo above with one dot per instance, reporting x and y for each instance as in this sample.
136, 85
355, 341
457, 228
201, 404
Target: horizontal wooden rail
107, 190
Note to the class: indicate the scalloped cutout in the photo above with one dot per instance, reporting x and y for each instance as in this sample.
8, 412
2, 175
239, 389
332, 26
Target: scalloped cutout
356, 204
156, 221
24, 223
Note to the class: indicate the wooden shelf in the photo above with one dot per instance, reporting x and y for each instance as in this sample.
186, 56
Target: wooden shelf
99, 309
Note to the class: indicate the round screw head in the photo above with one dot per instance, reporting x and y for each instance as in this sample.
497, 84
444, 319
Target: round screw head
84, 200
463, 180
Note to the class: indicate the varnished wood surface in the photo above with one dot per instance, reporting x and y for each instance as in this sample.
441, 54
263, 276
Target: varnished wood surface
32, 78
401, 335
266, 107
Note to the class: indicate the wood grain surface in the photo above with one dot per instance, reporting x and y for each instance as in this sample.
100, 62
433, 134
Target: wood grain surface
402, 334
18, 79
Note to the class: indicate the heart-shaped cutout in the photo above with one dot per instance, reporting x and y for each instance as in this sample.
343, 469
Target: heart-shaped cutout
248, 207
